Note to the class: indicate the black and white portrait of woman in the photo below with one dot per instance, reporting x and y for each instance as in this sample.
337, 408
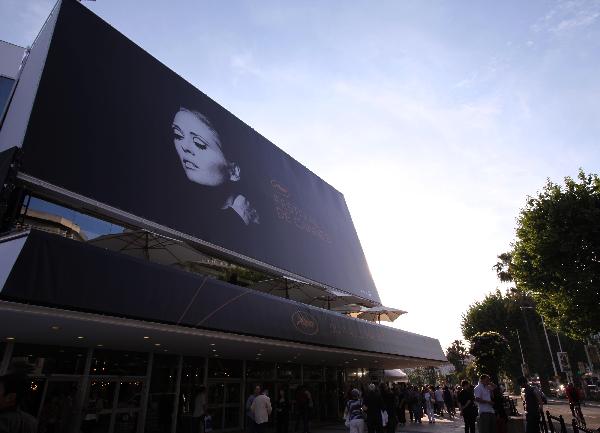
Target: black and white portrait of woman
204, 162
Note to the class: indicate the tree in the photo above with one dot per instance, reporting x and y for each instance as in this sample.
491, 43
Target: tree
456, 354
556, 256
502, 313
497, 313
422, 376
490, 350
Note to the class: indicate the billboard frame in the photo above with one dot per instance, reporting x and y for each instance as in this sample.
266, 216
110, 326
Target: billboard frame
86, 204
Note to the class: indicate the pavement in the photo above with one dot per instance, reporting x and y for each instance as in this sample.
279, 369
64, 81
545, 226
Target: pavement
591, 413
441, 425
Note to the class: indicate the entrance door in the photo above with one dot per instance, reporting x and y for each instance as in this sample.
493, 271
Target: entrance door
58, 405
224, 404
113, 405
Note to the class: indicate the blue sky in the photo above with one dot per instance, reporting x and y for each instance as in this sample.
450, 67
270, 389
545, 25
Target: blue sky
435, 119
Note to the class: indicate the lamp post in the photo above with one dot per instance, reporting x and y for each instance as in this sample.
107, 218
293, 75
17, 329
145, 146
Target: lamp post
547, 340
522, 357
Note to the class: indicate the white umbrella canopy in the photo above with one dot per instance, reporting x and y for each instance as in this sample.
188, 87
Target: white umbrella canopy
352, 310
300, 291
152, 247
395, 375
379, 313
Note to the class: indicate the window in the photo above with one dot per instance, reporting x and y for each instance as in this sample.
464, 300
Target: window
117, 363
224, 368
42, 360
6, 85
42, 215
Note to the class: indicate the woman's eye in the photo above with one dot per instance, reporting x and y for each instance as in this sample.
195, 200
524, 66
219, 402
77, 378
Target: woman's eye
178, 135
199, 142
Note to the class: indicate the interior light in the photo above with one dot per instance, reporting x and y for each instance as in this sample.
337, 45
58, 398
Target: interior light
10, 338
146, 337
157, 344
55, 327
80, 338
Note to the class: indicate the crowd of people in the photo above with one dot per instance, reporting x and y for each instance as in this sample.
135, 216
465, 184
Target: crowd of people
259, 410
383, 408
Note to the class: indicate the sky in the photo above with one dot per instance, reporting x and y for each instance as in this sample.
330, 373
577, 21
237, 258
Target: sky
435, 119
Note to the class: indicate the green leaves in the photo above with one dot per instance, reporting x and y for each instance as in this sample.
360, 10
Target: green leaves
556, 256
490, 350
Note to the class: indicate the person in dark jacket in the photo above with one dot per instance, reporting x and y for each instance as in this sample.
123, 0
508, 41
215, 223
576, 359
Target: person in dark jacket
282, 411
533, 403
468, 409
448, 401
402, 403
12, 418
390, 404
374, 404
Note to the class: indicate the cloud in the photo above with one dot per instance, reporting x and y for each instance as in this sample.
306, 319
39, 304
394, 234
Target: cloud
568, 16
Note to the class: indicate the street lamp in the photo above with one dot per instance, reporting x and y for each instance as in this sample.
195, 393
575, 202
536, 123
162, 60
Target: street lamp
547, 340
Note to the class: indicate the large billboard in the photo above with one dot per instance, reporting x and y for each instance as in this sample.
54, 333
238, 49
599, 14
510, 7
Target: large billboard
111, 123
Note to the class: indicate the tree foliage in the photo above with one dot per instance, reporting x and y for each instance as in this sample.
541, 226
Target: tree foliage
456, 354
502, 313
556, 256
422, 376
490, 350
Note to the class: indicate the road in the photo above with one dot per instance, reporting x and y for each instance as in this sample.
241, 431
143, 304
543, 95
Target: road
591, 412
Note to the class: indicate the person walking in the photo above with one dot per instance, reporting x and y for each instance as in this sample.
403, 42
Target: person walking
304, 406
438, 396
199, 410
282, 409
485, 405
261, 410
374, 405
12, 419
448, 401
533, 403
429, 397
355, 418
402, 403
411, 401
468, 409
418, 405
390, 405
250, 424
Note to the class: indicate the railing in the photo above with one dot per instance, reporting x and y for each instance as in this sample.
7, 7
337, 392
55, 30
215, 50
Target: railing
550, 423
577, 428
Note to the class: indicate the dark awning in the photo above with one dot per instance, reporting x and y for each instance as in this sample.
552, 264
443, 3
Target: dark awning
49, 270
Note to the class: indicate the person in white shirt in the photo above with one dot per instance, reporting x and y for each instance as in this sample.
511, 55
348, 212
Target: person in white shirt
483, 399
439, 400
428, 395
261, 409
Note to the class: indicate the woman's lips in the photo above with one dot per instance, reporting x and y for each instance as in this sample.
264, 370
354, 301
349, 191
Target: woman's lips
189, 165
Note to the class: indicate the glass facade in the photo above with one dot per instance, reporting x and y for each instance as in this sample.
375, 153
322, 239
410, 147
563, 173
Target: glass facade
130, 392
6, 85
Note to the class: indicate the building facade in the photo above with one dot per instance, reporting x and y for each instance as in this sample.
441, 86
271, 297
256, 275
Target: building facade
144, 255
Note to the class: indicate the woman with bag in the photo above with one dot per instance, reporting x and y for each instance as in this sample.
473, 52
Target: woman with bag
354, 415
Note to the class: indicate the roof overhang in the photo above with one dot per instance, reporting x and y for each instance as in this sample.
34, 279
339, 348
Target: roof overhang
102, 291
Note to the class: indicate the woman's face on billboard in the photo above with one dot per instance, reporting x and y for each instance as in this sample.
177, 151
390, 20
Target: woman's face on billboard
199, 149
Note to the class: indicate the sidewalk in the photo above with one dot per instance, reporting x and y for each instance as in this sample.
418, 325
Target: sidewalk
441, 425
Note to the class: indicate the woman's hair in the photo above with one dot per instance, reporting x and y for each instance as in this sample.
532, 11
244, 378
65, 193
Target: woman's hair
202, 118
355, 393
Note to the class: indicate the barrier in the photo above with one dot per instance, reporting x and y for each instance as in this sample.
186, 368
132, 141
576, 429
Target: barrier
559, 419
578, 428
